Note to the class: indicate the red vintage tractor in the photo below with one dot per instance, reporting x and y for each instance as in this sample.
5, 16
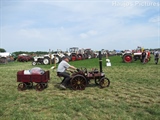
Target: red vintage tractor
130, 56
76, 53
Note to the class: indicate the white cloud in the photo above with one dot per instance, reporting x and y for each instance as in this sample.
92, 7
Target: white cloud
155, 19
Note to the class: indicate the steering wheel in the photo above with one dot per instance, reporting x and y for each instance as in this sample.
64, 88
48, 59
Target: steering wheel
83, 69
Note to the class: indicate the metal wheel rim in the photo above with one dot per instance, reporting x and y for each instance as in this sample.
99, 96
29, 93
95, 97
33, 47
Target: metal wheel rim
128, 58
39, 87
104, 82
22, 86
78, 82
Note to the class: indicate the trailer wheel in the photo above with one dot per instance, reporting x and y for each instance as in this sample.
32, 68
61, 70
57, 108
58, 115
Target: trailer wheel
22, 86
104, 82
78, 82
45, 85
39, 87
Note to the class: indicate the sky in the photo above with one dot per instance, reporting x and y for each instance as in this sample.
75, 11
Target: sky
43, 25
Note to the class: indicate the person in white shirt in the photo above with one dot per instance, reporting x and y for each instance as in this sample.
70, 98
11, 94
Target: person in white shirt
61, 71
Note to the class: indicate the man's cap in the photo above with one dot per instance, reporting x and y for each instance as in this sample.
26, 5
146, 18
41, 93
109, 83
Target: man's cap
65, 57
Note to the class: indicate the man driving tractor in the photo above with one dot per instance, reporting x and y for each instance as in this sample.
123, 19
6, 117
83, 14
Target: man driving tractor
61, 71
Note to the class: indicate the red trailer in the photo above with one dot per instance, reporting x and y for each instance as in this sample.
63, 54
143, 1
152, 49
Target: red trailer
26, 80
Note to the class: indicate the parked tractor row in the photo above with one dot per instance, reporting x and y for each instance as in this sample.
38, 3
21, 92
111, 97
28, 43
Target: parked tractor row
74, 54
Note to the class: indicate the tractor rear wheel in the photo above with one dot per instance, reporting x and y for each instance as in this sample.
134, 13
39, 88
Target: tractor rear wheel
74, 57
80, 57
78, 82
127, 58
57, 59
46, 61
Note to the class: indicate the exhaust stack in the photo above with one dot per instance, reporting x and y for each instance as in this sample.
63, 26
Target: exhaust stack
100, 61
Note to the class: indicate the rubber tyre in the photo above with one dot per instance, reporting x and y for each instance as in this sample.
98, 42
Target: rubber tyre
58, 59
74, 57
34, 63
46, 61
127, 58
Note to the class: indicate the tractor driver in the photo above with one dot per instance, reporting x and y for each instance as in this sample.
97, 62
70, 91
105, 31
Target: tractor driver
61, 71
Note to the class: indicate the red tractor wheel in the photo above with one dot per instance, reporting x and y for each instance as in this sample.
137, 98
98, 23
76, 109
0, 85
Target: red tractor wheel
74, 57
80, 56
78, 82
127, 58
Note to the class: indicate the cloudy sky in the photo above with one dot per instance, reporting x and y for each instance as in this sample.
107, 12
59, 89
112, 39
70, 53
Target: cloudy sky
40, 25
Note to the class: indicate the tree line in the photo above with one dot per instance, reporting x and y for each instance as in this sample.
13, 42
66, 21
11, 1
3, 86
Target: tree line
45, 52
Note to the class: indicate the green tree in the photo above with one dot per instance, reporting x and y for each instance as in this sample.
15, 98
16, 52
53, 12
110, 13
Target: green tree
2, 50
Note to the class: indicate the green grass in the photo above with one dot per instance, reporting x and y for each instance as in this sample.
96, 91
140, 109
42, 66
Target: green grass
134, 94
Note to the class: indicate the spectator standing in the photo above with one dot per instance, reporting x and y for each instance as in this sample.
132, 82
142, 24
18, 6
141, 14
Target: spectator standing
143, 56
156, 56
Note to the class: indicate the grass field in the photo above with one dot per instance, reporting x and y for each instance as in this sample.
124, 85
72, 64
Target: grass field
134, 94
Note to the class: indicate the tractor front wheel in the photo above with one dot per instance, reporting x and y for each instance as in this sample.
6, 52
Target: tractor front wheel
104, 82
34, 63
